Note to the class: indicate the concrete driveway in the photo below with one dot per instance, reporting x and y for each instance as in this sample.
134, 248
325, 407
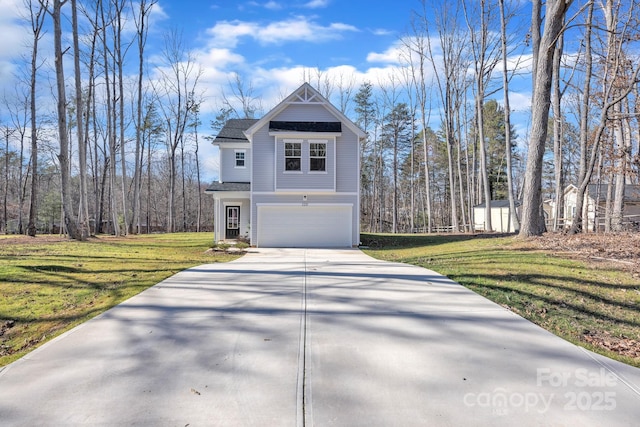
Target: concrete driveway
297, 337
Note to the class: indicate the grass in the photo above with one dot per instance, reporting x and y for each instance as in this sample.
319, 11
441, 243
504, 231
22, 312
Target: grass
594, 307
49, 285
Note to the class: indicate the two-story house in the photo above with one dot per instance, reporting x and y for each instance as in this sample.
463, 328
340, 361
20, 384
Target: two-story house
290, 179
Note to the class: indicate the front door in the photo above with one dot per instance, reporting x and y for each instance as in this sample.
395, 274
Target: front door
233, 222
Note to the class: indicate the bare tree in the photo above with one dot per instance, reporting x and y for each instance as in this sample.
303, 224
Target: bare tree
141, 32
36, 18
109, 84
70, 221
243, 95
450, 80
513, 214
619, 79
179, 79
83, 218
532, 218
417, 44
485, 51
119, 99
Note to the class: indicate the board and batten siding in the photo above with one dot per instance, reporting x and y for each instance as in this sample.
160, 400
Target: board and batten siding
228, 170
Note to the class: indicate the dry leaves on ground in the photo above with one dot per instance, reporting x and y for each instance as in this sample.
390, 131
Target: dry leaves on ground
620, 250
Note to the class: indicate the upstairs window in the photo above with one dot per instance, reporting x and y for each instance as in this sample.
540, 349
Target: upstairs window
292, 156
240, 158
317, 156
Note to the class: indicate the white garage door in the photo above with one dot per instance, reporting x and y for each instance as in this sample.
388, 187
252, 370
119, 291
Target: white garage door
304, 226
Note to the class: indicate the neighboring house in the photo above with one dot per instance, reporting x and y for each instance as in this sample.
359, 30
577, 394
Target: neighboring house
290, 179
595, 204
500, 217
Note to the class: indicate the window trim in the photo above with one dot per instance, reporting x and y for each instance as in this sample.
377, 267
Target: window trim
299, 156
244, 159
311, 156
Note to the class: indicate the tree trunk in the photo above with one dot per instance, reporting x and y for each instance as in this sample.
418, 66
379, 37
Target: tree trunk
532, 218
119, 59
83, 218
63, 156
37, 20
557, 137
513, 213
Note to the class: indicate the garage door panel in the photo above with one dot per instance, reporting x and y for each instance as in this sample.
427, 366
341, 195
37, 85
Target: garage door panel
304, 226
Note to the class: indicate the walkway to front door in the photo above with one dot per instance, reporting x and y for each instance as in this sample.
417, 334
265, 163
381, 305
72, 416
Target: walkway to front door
233, 222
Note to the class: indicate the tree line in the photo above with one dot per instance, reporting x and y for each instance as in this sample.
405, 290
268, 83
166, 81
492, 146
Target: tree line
120, 152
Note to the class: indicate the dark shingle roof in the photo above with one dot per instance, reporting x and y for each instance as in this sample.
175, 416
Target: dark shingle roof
229, 186
233, 129
275, 126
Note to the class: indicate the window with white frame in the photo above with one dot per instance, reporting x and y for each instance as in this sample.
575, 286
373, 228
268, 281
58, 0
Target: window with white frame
240, 158
318, 156
292, 156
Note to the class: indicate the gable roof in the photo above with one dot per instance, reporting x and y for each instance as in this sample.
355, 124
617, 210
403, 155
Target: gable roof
305, 94
233, 131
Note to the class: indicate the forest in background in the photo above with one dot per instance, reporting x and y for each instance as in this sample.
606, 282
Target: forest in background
118, 152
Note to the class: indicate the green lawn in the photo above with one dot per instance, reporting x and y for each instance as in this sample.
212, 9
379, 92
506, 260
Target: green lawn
595, 307
49, 285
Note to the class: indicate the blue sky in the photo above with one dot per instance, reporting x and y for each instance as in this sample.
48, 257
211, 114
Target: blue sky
271, 44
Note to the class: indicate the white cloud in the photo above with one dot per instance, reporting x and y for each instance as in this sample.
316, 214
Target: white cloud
389, 56
299, 28
316, 4
382, 32
519, 101
272, 5
15, 40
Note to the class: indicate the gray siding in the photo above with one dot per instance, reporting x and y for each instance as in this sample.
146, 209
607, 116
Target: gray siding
338, 186
263, 160
312, 181
304, 113
348, 161
228, 171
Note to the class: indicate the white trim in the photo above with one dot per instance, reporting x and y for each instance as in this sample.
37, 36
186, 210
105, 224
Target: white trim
311, 96
303, 191
335, 164
244, 158
238, 145
224, 195
306, 204
326, 144
305, 135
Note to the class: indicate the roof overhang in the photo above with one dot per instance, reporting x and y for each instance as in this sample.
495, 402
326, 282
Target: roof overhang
304, 135
305, 94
